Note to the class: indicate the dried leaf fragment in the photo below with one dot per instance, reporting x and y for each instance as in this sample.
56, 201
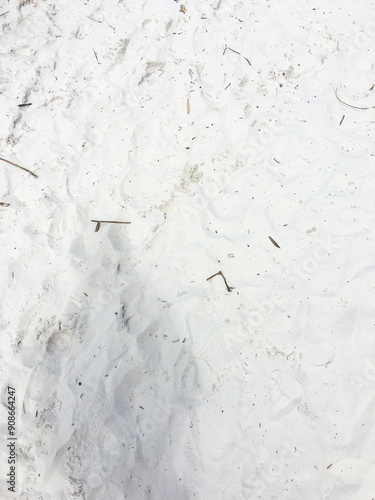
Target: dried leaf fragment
183, 9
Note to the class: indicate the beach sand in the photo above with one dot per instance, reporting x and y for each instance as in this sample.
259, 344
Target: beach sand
215, 128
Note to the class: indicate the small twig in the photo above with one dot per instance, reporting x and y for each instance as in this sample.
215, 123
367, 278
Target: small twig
19, 166
229, 288
96, 20
342, 119
98, 222
274, 242
330, 465
110, 221
3, 14
2, 204
188, 106
236, 52
25, 104
351, 105
228, 48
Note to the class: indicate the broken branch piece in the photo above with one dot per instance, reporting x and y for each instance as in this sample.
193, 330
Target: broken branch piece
229, 288
98, 222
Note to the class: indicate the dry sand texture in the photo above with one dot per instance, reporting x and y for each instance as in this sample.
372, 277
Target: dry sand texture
214, 128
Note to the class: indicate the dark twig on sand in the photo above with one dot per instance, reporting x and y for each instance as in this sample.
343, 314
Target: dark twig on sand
236, 52
98, 222
19, 166
232, 50
229, 288
273, 242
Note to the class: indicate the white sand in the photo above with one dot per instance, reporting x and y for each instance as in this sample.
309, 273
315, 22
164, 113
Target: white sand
209, 131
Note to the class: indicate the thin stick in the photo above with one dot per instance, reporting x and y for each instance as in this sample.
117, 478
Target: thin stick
19, 166
228, 48
274, 242
98, 222
110, 221
235, 51
229, 288
351, 105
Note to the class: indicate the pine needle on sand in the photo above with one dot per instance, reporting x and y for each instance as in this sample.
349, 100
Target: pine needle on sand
351, 105
19, 166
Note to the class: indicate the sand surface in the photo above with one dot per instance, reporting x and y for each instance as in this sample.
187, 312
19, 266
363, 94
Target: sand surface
214, 129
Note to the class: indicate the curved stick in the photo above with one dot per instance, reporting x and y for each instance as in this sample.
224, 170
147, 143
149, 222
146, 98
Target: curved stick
351, 105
